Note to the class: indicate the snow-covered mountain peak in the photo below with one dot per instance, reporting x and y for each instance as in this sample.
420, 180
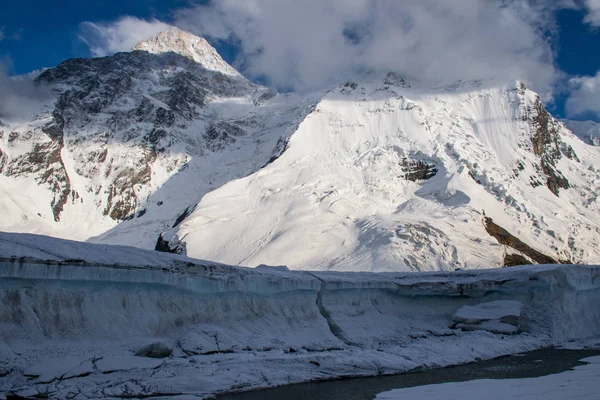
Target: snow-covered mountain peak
395, 175
188, 45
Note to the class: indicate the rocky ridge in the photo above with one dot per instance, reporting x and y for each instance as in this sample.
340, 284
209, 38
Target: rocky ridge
122, 126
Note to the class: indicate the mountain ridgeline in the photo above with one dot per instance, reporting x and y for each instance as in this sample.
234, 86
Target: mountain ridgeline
169, 147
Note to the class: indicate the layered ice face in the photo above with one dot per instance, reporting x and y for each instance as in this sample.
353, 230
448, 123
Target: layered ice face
75, 325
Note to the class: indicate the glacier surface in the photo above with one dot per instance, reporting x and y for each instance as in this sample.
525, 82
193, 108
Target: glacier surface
73, 315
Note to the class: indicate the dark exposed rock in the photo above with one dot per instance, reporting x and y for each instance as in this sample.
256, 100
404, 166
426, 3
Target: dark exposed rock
184, 95
44, 160
163, 246
548, 146
123, 198
349, 87
155, 350
569, 152
280, 147
555, 180
2, 161
506, 238
265, 97
108, 89
415, 170
155, 136
513, 260
164, 117
222, 134
184, 215
394, 79
54, 129
12, 137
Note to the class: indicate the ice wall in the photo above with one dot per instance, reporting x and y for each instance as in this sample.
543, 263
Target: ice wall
560, 302
231, 328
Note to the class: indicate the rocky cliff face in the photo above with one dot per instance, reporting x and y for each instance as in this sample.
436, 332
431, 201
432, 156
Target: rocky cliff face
122, 126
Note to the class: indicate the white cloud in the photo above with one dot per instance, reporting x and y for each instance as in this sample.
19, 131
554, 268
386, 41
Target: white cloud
311, 43
120, 35
20, 95
593, 16
584, 101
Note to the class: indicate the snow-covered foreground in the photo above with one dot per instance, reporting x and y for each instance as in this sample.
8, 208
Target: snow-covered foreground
582, 383
73, 316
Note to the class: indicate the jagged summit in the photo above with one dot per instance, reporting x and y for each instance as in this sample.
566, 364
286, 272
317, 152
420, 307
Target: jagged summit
188, 45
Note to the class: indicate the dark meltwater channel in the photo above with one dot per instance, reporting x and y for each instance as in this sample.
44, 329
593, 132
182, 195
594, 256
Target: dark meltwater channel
529, 365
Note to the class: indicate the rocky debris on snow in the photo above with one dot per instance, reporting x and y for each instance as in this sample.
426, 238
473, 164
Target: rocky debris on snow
158, 349
548, 146
501, 316
45, 163
507, 239
513, 260
143, 99
394, 79
163, 246
415, 170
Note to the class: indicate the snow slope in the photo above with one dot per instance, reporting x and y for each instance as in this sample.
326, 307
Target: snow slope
386, 176
72, 327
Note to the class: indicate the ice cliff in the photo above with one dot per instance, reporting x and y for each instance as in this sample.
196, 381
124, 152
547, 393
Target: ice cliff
73, 316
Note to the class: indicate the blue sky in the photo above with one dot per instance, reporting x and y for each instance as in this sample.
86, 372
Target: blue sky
47, 31
37, 34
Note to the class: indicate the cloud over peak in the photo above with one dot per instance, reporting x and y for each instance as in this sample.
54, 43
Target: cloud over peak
309, 44
584, 101
104, 39
313, 44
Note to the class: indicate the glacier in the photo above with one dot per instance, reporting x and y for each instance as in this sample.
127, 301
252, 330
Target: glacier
73, 315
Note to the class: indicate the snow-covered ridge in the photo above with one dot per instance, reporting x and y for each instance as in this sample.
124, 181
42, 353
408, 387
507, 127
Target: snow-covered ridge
227, 328
388, 176
188, 45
